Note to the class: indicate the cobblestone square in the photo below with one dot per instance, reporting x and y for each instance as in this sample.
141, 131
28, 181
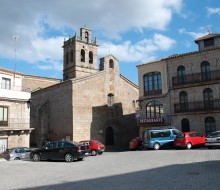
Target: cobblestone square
153, 170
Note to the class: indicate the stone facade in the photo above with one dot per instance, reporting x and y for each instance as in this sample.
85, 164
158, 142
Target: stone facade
89, 104
189, 95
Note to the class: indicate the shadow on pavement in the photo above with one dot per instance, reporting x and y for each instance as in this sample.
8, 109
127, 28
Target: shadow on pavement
199, 175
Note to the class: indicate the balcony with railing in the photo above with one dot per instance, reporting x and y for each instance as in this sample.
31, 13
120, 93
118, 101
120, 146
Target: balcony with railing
196, 78
14, 92
197, 106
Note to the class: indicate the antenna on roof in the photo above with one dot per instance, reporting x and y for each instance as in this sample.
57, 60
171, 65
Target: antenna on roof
208, 30
15, 37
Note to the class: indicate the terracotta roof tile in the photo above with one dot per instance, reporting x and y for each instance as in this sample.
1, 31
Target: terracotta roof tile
207, 37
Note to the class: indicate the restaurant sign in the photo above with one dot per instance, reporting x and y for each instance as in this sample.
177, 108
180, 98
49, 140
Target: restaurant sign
151, 120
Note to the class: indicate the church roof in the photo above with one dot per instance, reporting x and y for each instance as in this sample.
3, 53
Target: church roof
210, 35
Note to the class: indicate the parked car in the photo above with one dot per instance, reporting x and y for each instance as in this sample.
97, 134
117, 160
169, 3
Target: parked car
213, 139
17, 153
60, 150
156, 138
189, 140
94, 146
135, 144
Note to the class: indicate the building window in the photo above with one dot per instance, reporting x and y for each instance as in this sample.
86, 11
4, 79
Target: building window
154, 109
90, 57
209, 42
86, 37
67, 58
181, 75
205, 71
208, 98
82, 55
101, 66
185, 125
183, 98
3, 116
210, 125
133, 104
111, 64
71, 56
6, 83
152, 83
110, 99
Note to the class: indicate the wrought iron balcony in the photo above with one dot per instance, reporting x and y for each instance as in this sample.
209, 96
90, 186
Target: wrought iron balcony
197, 106
196, 78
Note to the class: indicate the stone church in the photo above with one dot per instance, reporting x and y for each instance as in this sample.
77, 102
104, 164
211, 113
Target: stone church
94, 101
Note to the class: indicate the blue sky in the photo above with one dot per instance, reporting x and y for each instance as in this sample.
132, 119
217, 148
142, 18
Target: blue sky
134, 31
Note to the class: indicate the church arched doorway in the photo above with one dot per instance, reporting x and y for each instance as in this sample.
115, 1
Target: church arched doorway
109, 136
185, 125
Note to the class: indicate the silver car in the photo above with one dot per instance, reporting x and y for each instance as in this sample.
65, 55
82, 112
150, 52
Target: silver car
18, 153
213, 139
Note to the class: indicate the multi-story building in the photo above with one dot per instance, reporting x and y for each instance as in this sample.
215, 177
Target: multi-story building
182, 90
93, 101
15, 97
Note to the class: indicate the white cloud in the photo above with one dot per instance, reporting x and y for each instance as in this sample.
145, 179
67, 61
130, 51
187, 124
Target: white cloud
142, 51
202, 32
212, 11
39, 22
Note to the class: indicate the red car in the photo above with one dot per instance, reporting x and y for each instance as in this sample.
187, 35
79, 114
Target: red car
189, 139
94, 146
136, 144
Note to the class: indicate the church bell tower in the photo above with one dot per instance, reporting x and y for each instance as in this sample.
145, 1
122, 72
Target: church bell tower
80, 55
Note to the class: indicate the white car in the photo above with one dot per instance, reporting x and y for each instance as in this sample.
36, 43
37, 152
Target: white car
18, 153
213, 139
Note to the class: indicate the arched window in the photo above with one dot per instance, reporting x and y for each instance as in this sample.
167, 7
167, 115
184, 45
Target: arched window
111, 64
210, 125
82, 55
205, 71
90, 57
67, 58
152, 83
208, 98
181, 74
86, 37
110, 99
183, 98
185, 125
154, 109
71, 56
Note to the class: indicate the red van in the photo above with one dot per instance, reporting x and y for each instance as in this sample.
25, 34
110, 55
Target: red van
94, 146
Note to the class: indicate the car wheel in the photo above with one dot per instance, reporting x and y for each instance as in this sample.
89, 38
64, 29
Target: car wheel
69, 157
189, 146
93, 153
17, 158
36, 157
156, 146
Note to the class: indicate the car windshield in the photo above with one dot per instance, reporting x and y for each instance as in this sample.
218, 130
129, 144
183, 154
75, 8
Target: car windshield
98, 142
214, 134
180, 135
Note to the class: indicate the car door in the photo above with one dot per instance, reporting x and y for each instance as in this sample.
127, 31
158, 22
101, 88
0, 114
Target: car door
19, 153
47, 151
167, 138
